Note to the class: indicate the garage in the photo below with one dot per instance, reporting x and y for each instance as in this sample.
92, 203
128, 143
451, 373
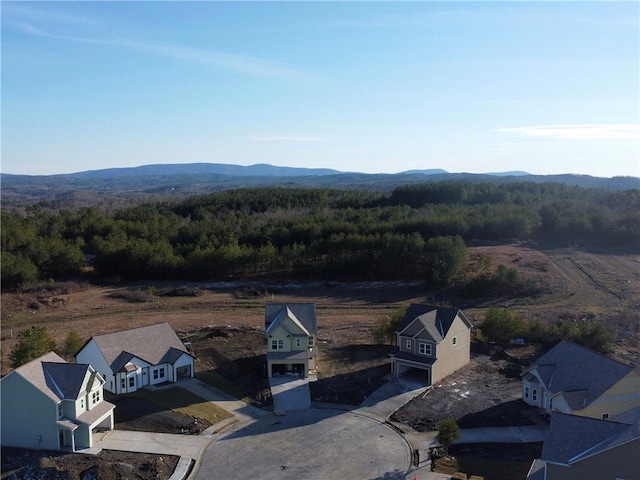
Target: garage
183, 372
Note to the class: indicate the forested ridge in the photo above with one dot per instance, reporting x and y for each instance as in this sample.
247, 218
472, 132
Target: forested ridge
414, 232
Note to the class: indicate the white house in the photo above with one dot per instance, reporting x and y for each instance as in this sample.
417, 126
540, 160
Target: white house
53, 405
131, 359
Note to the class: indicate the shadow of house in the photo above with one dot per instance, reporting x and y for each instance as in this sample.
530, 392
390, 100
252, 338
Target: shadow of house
349, 388
507, 414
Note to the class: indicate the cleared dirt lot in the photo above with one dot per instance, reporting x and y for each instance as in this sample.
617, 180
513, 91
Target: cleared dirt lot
487, 392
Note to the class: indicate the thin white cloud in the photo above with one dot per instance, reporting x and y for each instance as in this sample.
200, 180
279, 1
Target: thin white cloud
29, 24
595, 131
276, 138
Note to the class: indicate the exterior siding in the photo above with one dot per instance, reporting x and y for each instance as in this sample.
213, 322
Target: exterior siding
28, 417
618, 463
452, 357
91, 354
623, 396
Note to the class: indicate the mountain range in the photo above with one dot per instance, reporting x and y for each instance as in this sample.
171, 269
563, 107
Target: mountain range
161, 180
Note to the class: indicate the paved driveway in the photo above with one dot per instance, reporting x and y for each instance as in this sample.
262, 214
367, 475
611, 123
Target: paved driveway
146, 442
311, 444
290, 394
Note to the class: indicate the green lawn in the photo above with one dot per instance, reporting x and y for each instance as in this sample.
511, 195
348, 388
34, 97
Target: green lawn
180, 400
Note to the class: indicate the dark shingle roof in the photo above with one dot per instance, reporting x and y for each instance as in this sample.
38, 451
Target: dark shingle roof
304, 312
436, 320
154, 344
581, 373
54, 377
572, 437
65, 377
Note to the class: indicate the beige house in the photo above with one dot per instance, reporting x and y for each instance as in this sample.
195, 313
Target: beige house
53, 405
572, 379
432, 340
583, 448
291, 331
132, 359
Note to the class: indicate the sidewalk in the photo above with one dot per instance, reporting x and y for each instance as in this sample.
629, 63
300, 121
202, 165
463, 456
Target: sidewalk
524, 434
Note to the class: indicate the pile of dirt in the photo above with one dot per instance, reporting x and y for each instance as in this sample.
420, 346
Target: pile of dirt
485, 393
21, 464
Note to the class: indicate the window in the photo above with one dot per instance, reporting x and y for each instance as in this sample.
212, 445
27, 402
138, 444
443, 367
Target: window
534, 395
311, 341
605, 416
526, 392
277, 344
123, 383
551, 404
155, 374
60, 410
95, 397
82, 403
424, 349
455, 340
298, 342
132, 382
161, 370
408, 345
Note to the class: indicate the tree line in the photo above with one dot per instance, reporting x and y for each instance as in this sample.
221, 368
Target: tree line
414, 232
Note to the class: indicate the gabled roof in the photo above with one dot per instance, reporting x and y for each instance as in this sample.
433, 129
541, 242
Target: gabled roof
155, 344
572, 438
582, 374
302, 313
54, 377
435, 320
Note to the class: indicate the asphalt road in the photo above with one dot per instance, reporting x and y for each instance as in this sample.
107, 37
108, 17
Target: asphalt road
308, 444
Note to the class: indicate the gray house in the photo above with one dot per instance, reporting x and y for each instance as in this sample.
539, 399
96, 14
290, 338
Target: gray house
54, 405
433, 340
131, 359
570, 378
583, 448
291, 330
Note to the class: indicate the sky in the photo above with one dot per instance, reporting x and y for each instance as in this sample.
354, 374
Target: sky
375, 87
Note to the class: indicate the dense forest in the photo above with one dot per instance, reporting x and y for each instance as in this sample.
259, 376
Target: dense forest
414, 232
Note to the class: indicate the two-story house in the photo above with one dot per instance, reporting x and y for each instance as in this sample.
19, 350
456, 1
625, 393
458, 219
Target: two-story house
131, 359
54, 405
291, 331
434, 340
572, 379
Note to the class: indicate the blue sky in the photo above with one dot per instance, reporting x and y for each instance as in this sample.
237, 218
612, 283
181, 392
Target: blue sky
544, 87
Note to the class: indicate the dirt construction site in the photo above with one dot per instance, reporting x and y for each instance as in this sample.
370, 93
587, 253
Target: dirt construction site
224, 322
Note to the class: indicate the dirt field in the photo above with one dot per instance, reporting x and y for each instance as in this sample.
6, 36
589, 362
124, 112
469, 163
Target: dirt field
19, 464
224, 322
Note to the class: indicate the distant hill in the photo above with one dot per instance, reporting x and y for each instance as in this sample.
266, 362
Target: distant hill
257, 170
165, 182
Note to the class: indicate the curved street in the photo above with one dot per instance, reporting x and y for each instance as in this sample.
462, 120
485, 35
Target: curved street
310, 444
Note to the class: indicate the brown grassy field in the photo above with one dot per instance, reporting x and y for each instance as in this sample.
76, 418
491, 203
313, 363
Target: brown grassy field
568, 284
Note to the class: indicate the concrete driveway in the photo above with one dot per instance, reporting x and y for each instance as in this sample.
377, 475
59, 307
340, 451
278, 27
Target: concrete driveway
523, 434
290, 393
311, 444
162, 443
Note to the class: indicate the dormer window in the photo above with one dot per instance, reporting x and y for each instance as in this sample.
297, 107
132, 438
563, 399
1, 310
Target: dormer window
95, 397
